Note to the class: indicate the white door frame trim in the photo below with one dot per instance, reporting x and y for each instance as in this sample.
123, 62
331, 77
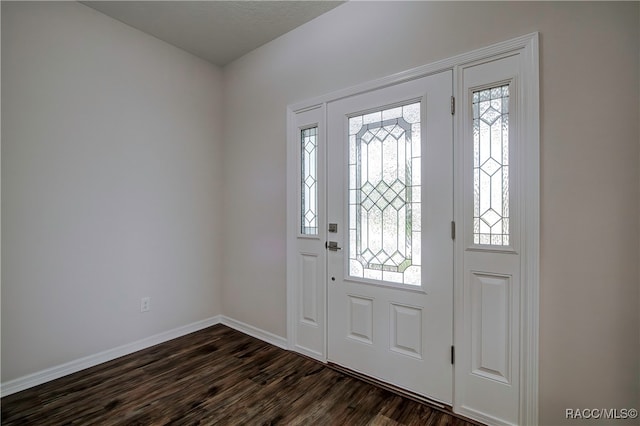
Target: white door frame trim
527, 46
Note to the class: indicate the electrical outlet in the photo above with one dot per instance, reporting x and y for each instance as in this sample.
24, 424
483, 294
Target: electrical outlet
145, 304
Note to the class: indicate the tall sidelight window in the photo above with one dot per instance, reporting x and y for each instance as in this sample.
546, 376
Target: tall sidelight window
491, 166
309, 181
384, 195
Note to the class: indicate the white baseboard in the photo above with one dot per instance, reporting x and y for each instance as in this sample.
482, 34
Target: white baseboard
40, 377
256, 332
46, 375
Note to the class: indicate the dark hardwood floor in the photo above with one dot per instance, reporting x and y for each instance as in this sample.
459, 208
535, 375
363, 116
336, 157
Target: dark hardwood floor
214, 376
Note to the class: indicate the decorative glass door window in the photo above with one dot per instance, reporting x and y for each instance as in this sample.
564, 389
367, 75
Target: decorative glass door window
491, 166
384, 195
309, 181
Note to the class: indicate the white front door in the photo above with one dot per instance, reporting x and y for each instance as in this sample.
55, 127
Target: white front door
390, 270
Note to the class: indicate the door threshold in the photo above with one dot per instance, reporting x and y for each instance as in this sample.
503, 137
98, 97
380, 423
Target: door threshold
392, 388
431, 403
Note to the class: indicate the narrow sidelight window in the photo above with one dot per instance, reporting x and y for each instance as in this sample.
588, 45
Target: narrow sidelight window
309, 181
491, 166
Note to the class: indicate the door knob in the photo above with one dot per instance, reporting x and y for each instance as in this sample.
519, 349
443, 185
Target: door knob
332, 245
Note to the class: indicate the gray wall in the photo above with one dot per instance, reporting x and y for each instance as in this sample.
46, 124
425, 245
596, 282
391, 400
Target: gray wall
111, 191
589, 319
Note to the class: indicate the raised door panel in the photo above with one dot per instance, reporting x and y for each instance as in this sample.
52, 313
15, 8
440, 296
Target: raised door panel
308, 268
490, 328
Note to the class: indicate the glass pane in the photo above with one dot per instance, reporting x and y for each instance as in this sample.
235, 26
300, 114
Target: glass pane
384, 188
309, 181
491, 166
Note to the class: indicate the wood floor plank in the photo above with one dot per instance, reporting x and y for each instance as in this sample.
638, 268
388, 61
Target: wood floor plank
215, 376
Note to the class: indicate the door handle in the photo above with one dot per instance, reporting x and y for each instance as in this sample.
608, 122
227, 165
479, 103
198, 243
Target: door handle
332, 245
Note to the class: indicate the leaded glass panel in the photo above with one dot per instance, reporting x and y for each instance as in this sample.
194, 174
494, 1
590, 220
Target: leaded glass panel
491, 166
384, 195
309, 181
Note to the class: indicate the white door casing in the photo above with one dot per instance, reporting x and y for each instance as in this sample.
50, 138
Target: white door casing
398, 333
503, 290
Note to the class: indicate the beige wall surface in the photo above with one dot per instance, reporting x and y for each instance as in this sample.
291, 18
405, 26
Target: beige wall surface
110, 185
589, 63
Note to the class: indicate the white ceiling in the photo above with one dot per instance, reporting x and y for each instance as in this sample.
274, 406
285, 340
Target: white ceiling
217, 31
